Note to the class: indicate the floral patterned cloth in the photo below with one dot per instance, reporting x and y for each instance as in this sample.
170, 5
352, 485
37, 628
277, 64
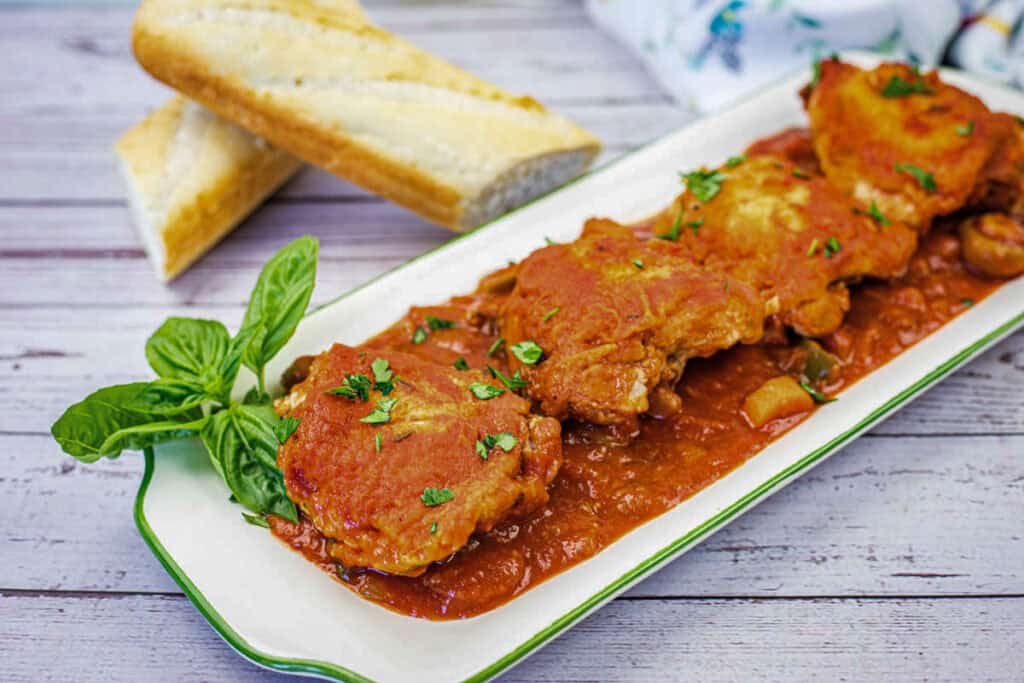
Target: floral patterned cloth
707, 53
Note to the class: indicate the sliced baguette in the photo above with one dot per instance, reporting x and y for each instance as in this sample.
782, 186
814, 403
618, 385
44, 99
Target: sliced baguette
316, 79
191, 177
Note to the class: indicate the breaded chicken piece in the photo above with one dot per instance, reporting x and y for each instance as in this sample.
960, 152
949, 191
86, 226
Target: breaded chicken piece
788, 234
397, 486
916, 146
615, 318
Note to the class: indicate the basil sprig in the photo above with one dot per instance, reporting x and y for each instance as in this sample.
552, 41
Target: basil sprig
197, 363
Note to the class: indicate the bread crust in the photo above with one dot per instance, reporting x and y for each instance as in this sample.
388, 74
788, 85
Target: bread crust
169, 45
225, 172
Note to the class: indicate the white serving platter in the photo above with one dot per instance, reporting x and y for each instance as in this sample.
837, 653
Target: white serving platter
280, 611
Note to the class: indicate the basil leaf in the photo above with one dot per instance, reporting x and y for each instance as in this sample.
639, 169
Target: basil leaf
102, 425
189, 349
167, 396
279, 301
243, 449
232, 360
255, 397
256, 520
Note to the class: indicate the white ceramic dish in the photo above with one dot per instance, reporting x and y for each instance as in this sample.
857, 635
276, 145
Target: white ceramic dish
280, 611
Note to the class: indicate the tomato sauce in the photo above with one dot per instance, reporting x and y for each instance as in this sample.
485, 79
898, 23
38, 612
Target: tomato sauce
608, 485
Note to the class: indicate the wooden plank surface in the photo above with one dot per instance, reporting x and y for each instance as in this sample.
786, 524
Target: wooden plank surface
100, 637
900, 559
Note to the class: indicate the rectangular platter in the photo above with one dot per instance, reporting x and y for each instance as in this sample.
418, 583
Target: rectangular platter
282, 612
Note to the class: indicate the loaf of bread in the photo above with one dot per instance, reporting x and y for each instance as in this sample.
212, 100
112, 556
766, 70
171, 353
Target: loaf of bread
317, 79
191, 177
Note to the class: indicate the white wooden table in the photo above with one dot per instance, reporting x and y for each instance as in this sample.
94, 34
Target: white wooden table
900, 559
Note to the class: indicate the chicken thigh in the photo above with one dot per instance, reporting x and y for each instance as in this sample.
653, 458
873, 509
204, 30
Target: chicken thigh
600, 328
398, 460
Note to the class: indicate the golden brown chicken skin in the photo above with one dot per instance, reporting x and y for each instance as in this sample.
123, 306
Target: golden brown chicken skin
616, 317
916, 146
397, 486
788, 234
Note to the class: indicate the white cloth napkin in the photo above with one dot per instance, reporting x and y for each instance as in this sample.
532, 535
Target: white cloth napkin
707, 53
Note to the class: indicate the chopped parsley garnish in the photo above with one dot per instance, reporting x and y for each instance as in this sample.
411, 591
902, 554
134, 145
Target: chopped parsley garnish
433, 528
528, 352
354, 387
552, 313
549, 241
832, 247
815, 394
505, 441
704, 184
256, 520
435, 323
876, 214
967, 302
382, 376
923, 178
797, 173
897, 87
433, 497
485, 392
733, 162
285, 428
378, 442
460, 363
514, 383
382, 413
419, 335
673, 233
813, 248
638, 263
498, 343
966, 129
695, 225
